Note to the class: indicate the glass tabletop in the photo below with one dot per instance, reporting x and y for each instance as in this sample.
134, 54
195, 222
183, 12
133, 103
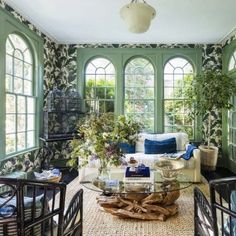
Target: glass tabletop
117, 184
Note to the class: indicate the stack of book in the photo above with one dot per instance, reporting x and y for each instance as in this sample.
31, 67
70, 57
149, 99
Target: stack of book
140, 175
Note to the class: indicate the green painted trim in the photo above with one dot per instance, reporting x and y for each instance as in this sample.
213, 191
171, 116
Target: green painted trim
9, 25
2, 86
157, 56
227, 53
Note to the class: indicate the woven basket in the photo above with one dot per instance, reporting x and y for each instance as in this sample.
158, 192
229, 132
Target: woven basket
209, 157
55, 179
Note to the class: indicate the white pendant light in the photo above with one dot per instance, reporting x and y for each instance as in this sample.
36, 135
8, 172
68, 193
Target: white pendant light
137, 15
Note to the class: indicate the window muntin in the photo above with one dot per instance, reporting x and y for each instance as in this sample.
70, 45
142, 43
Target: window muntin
20, 100
177, 72
100, 86
139, 91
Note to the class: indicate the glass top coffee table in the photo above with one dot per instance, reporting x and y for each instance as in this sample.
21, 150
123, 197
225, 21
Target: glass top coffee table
137, 198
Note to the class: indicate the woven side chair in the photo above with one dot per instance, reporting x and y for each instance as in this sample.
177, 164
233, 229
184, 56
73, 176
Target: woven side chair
74, 216
218, 215
31, 214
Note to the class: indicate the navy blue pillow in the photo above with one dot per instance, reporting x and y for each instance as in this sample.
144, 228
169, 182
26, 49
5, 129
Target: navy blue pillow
127, 148
159, 147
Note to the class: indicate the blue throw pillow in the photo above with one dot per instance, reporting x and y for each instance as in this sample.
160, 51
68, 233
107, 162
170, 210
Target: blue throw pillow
159, 147
189, 152
127, 148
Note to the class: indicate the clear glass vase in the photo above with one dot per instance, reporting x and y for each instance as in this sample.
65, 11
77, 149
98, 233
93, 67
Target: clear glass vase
104, 170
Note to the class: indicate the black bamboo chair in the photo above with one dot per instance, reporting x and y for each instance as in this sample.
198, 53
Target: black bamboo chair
25, 209
218, 215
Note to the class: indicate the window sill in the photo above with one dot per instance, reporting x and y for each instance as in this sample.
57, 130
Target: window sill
19, 153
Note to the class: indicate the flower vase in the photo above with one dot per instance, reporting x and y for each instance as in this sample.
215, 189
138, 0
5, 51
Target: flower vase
103, 171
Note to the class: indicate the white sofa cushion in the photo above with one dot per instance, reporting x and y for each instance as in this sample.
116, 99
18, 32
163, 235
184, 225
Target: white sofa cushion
181, 140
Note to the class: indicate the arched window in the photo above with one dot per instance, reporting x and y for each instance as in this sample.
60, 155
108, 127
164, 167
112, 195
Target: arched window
232, 115
20, 97
100, 86
177, 72
139, 91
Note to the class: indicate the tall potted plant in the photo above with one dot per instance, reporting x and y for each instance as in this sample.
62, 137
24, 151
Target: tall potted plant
207, 92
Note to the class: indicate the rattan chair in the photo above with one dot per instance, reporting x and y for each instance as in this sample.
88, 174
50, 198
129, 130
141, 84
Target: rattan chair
218, 215
31, 214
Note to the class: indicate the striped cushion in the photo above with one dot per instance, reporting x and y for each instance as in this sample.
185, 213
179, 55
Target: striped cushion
11, 223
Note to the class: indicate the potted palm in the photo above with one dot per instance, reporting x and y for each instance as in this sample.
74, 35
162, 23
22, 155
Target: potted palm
207, 92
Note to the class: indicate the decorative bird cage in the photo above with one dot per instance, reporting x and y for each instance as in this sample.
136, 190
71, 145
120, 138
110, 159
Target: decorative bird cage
61, 113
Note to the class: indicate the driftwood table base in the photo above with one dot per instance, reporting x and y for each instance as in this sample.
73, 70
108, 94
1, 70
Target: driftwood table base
152, 206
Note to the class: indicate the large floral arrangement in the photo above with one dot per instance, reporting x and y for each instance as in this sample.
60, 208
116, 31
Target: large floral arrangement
100, 139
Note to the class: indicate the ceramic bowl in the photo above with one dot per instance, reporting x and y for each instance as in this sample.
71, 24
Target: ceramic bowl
169, 168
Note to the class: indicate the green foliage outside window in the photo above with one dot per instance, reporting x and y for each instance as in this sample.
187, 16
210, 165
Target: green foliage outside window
177, 111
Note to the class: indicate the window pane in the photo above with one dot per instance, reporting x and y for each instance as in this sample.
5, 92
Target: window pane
100, 85
18, 54
100, 93
9, 64
30, 122
149, 93
21, 108
110, 80
27, 56
90, 92
130, 93
27, 71
109, 106
27, 87
110, 93
21, 141
18, 68
21, 123
10, 103
18, 85
9, 80
10, 124
30, 139
30, 105
10, 143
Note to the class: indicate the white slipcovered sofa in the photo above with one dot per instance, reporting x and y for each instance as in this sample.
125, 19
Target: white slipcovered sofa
192, 166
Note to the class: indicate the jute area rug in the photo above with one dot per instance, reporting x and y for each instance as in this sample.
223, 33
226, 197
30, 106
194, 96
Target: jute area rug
99, 223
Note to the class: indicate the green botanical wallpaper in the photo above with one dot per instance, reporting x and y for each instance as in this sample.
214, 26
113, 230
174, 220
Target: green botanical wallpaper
60, 68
